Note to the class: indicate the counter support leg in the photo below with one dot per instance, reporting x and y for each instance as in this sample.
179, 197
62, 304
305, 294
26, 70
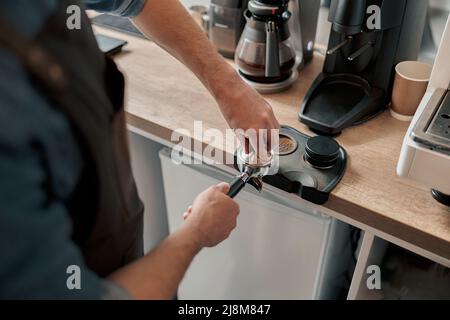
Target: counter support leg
371, 253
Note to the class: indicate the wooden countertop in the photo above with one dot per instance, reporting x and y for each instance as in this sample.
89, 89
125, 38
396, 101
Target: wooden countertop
163, 95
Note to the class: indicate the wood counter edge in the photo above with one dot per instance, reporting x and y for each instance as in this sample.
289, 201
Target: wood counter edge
339, 205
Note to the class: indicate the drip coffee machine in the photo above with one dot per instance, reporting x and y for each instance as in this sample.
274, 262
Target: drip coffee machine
275, 43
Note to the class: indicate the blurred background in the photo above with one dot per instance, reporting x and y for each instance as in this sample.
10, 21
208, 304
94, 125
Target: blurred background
437, 17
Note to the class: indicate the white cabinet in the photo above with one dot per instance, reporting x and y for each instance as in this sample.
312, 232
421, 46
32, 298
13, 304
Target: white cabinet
281, 249
147, 173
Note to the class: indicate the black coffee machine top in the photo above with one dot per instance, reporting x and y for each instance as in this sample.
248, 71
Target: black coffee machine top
368, 38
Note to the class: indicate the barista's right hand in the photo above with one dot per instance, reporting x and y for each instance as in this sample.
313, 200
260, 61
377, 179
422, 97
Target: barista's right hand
212, 216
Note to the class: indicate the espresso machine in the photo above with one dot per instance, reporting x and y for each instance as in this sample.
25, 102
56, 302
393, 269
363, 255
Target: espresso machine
277, 40
425, 154
368, 38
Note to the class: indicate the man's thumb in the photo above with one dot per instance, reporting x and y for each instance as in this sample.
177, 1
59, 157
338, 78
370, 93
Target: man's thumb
223, 187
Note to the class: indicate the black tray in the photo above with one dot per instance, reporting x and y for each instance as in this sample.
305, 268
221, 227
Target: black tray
337, 101
296, 175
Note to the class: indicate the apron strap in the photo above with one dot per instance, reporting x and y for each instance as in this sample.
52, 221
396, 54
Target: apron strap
106, 212
38, 62
50, 76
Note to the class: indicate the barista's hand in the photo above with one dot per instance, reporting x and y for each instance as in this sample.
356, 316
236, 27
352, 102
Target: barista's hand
212, 216
245, 109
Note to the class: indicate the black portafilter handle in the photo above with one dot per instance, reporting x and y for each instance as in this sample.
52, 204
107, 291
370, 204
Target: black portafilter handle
251, 174
237, 185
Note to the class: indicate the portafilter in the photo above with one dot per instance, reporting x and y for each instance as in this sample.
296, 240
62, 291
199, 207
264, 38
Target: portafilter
252, 168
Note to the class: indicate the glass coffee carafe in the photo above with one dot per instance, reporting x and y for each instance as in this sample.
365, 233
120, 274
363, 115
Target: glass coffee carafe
265, 53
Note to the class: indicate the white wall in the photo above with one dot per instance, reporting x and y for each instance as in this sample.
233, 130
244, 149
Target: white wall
189, 3
441, 4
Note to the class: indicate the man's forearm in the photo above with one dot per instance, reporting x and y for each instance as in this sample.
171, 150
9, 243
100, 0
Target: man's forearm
157, 275
209, 221
169, 24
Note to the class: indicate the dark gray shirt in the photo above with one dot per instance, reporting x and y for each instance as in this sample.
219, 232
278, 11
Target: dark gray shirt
35, 140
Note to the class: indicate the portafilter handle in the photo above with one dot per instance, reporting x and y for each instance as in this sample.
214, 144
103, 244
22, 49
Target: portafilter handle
251, 174
241, 180
237, 185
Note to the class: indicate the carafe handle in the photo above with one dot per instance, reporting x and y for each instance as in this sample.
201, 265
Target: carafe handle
272, 50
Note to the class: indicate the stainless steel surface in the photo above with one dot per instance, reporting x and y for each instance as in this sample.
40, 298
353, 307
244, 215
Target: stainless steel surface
253, 164
283, 248
252, 160
252, 168
421, 133
303, 28
226, 22
440, 125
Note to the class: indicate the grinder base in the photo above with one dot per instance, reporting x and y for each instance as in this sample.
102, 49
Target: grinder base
335, 102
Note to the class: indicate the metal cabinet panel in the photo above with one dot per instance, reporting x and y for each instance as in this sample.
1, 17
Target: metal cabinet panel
276, 252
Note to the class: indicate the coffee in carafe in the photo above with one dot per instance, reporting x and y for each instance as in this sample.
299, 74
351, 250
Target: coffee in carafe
251, 60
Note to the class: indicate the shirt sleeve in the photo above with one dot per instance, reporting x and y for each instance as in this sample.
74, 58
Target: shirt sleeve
128, 8
38, 259
112, 291
35, 237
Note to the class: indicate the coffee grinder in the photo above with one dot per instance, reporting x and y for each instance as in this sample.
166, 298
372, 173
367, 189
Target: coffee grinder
277, 40
368, 38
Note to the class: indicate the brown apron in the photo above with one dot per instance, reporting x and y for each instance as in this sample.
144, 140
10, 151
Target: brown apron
78, 79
